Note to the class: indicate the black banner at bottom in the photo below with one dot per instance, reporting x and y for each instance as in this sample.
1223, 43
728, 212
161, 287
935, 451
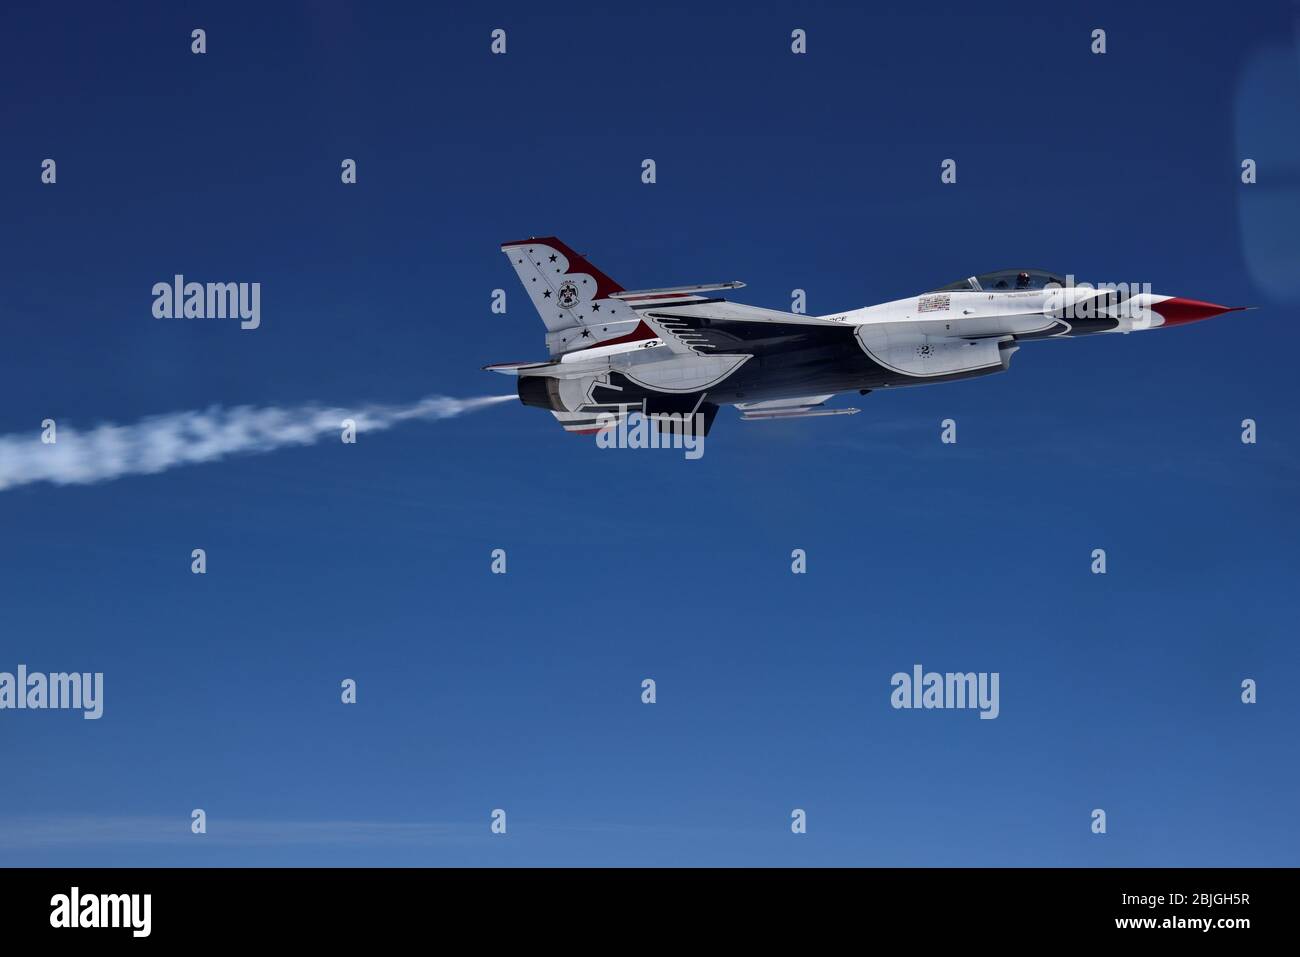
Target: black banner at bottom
97, 906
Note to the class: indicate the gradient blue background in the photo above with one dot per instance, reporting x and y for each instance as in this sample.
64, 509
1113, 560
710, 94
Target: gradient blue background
522, 691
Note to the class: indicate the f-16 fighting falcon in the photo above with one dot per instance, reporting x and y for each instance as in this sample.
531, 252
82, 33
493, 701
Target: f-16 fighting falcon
681, 350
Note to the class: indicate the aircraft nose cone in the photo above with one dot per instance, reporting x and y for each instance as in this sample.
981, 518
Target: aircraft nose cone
1176, 311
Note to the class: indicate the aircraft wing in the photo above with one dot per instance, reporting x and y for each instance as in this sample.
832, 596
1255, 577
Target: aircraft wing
693, 327
722, 309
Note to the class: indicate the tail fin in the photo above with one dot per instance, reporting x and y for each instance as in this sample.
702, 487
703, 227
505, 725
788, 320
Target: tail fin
571, 295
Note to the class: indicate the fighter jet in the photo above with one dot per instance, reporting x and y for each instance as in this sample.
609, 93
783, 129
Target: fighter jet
686, 351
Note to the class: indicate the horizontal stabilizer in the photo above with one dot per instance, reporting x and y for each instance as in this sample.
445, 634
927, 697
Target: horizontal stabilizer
592, 419
515, 368
674, 291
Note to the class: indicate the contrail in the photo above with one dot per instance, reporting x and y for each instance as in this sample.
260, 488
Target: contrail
161, 442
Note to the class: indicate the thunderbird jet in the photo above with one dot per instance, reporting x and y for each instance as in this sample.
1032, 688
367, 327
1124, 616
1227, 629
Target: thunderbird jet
684, 350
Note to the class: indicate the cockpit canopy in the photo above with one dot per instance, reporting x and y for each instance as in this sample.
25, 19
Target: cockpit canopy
1005, 280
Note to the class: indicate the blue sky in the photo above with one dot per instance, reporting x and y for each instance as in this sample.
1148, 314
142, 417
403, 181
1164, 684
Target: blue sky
522, 691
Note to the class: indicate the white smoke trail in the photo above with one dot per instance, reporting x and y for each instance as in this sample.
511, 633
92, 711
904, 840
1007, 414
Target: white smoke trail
161, 442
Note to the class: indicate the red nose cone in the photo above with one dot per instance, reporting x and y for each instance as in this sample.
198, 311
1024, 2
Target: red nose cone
1177, 311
